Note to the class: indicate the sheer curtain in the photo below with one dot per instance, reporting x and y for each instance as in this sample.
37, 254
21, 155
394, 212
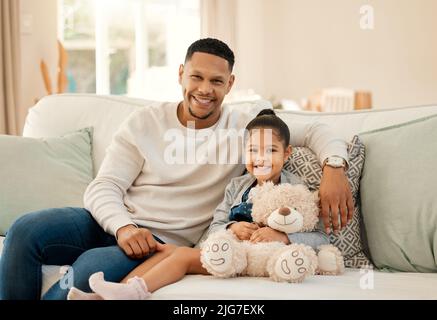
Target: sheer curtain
218, 20
9, 66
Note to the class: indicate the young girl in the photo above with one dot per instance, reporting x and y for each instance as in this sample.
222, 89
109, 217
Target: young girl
267, 149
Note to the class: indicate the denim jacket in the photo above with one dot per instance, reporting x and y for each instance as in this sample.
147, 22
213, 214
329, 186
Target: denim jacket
233, 196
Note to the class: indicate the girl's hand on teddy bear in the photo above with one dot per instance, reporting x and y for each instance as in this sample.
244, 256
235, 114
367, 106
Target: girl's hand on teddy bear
267, 234
243, 230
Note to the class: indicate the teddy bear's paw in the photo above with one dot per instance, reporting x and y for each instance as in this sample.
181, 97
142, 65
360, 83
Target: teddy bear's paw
330, 260
217, 257
294, 264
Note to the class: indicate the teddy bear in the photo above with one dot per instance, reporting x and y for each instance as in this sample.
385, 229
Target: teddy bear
284, 207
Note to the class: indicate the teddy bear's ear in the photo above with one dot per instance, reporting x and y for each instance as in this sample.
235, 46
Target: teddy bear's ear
253, 193
316, 196
260, 190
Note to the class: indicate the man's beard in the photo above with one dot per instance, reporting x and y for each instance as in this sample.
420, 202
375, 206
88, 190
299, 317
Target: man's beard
198, 117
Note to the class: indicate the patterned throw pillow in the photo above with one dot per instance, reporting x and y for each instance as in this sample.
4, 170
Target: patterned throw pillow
303, 163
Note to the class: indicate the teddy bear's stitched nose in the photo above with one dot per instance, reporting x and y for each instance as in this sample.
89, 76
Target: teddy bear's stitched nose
284, 211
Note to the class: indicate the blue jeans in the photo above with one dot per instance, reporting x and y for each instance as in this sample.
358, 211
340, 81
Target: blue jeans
67, 236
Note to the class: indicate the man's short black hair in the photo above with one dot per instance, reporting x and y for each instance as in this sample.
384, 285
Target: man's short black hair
212, 46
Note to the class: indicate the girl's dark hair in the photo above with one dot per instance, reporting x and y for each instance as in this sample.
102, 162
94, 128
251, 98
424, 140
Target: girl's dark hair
267, 118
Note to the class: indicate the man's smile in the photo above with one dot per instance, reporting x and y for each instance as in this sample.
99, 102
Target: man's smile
203, 101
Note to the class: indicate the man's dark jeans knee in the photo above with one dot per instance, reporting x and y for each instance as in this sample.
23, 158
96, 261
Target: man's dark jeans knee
66, 236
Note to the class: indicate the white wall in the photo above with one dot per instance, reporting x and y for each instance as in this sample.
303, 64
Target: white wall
249, 46
291, 48
39, 42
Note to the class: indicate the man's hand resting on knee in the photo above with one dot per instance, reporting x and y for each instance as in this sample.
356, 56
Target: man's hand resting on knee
136, 242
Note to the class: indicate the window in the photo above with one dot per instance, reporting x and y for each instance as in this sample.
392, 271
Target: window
127, 47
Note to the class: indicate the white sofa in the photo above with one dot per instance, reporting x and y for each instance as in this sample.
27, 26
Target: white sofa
56, 115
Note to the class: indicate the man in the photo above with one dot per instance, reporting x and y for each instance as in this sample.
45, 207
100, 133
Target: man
139, 197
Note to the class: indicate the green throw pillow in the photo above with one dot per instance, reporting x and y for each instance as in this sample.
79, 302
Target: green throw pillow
399, 195
43, 173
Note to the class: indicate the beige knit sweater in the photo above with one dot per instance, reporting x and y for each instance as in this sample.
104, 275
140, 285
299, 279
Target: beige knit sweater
148, 179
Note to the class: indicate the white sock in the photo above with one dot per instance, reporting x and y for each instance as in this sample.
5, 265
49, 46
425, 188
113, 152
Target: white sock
76, 294
134, 289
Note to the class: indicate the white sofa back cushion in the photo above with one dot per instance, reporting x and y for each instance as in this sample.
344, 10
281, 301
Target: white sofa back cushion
58, 114
348, 124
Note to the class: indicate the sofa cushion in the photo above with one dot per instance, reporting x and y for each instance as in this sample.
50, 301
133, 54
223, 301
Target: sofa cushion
43, 173
398, 195
304, 163
353, 284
